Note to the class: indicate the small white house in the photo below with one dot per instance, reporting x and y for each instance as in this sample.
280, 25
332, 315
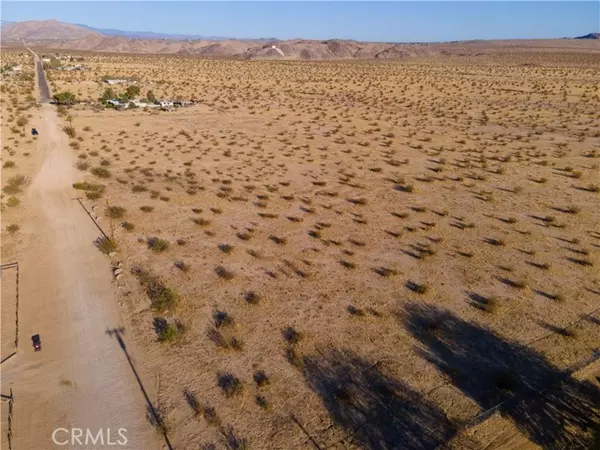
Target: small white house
165, 104
115, 81
117, 103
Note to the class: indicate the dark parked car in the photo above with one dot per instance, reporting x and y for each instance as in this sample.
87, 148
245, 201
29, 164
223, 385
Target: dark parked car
37, 343
34, 132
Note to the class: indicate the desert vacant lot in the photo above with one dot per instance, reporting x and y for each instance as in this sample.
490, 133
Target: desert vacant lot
355, 254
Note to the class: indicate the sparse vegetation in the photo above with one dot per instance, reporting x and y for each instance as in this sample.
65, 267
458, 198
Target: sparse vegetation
300, 206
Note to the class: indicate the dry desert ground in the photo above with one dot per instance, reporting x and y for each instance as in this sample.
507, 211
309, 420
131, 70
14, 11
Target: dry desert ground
344, 255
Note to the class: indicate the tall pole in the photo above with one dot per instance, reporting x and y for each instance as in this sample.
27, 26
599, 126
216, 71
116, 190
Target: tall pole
110, 222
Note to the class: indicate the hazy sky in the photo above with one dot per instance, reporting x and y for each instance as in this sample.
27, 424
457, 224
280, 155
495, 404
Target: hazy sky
361, 20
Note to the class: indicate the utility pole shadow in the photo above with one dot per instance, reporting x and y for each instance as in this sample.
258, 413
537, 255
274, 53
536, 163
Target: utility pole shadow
155, 417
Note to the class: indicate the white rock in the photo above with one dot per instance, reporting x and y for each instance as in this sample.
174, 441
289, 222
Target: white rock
118, 277
112, 254
118, 271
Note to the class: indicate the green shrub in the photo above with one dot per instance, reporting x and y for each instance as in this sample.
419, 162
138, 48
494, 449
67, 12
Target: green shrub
69, 130
157, 244
65, 98
115, 212
93, 195
105, 245
161, 297
166, 332
85, 186
15, 184
13, 201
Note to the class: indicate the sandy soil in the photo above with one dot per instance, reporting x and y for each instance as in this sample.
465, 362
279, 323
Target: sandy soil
8, 289
81, 378
399, 247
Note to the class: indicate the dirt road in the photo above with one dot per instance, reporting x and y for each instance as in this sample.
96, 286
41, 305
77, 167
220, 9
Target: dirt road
82, 377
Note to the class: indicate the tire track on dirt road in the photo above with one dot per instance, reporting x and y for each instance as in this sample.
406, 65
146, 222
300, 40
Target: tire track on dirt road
81, 378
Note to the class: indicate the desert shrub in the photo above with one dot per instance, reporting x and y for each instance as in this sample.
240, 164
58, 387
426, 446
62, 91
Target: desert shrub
82, 165
222, 272
22, 121
260, 378
416, 287
13, 228
229, 384
147, 208
115, 212
9, 164
161, 297
181, 266
165, 331
251, 297
93, 195
225, 248
105, 245
100, 172
222, 319
15, 184
210, 415
65, 98
13, 201
290, 335
69, 130
157, 244
127, 226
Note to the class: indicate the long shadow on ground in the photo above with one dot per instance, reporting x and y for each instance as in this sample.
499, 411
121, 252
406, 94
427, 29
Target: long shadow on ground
548, 405
153, 415
378, 412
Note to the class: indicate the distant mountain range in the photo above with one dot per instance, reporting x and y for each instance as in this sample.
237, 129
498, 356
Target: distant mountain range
52, 34
47, 29
153, 35
589, 36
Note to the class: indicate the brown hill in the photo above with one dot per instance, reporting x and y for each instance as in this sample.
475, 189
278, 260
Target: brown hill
55, 35
33, 30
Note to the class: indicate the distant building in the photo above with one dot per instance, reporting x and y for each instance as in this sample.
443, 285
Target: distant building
165, 104
117, 103
70, 68
117, 81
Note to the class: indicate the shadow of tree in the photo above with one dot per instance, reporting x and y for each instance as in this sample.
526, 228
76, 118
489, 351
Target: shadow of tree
549, 406
380, 412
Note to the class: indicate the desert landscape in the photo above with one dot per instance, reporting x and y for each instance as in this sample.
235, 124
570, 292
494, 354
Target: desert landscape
340, 254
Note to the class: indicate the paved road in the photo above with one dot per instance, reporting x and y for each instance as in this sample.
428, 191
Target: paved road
43, 89
82, 377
